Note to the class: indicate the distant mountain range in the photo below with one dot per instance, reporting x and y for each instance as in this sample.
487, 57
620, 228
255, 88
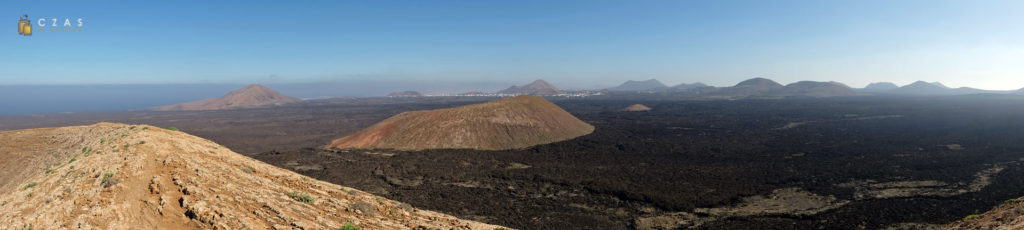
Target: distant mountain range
751, 88
763, 87
923, 88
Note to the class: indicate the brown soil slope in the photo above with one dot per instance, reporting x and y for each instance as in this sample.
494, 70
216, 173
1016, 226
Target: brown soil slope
507, 123
116, 176
249, 96
1010, 215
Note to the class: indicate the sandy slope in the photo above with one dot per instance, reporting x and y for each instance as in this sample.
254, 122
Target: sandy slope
116, 176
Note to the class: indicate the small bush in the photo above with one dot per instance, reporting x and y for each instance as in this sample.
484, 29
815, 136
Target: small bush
108, 180
145, 128
73, 159
348, 226
248, 170
301, 197
4, 203
132, 128
49, 170
172, 128
1011, 200
306, 179
972, 216
30, 185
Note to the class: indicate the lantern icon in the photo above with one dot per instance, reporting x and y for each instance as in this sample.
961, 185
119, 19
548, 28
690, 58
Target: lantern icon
24, 26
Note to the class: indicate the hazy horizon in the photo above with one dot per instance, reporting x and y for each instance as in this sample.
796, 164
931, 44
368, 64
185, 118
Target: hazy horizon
573, 45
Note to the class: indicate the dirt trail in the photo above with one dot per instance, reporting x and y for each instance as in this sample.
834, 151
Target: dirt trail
116, 176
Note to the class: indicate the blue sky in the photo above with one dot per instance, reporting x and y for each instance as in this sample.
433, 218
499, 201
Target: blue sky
573, 44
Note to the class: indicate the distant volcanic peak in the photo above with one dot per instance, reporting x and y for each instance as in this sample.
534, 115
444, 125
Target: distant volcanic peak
538, 87
631, 85
839, 84
257, 94
637, 108
684, 86
924, 85
816, 89
153, 177
507, 123
759, 82
815, 84
249, 96
881, 86
539, 84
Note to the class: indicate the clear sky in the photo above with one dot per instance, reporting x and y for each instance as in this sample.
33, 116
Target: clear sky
573, 44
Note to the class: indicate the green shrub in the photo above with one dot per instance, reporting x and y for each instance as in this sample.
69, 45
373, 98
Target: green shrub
302, 197
30, 185
348, 226
1011, 200
108, 180
971, 216
172, 128
49, 170
73, 159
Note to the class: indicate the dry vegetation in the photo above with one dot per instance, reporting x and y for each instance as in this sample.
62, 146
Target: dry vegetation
115, 176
